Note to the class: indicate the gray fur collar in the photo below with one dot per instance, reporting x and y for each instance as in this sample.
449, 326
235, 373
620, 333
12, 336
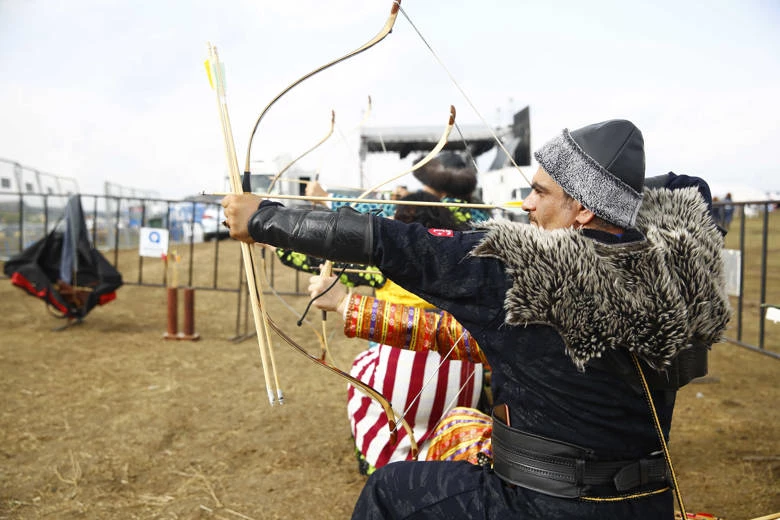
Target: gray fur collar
653, 296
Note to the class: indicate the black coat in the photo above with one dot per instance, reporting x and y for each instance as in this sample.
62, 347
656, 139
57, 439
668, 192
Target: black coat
532, 373
543, 306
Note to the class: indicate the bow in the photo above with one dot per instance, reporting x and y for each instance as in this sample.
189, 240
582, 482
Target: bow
388, 27
327, 268
484, 122
304, 154
323, 337
252, 281
465, 96
439, 146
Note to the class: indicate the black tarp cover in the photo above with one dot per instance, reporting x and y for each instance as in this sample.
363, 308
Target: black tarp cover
64, 269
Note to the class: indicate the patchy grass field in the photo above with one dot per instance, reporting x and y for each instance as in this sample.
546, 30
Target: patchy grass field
108, 420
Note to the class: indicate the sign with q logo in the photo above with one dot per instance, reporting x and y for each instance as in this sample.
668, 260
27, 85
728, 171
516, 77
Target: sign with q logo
153, 242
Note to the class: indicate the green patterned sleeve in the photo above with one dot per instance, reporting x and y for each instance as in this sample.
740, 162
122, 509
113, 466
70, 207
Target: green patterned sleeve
368, 276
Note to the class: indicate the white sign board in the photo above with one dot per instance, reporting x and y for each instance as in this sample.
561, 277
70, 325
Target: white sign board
773, 313
153, 242
732, 264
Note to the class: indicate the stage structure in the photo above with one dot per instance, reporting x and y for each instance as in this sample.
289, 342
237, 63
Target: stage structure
496, 183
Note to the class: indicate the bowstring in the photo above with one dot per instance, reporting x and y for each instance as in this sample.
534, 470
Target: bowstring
468, 151
444, 358
463, 93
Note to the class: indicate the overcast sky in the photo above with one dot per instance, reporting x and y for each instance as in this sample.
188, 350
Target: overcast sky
116, 91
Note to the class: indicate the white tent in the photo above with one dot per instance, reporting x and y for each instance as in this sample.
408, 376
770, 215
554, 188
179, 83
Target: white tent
739, 192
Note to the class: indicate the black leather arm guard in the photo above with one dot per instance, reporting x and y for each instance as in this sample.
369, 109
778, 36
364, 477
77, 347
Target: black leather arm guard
344, 235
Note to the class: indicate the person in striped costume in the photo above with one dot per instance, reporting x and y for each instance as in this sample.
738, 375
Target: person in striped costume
422, 384
421, 359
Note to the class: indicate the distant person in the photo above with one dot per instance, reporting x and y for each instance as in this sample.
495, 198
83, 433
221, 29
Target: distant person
399, 192
315, 189
717, 211
728, 211
450, 178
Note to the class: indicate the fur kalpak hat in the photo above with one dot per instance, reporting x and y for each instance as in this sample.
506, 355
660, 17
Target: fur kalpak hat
448, 173
602, 166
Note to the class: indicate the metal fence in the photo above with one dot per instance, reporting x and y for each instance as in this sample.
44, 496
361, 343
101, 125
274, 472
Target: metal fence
753, 272
114, 223
15, 177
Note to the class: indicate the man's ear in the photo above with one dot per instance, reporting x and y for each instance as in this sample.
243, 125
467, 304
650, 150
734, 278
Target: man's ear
584, 216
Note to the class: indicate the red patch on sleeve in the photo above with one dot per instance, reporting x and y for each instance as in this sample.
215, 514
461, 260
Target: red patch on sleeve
440, 232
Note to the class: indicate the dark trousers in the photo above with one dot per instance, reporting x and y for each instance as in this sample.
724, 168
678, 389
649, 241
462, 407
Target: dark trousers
455, 490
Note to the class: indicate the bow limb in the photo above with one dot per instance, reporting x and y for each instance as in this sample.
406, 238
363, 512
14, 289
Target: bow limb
388, 27
298, 316
327, 267
304, 154
216, 77
393, 419
264, 319
343, 139
422, 162
323, 339
366, 115
326, 271
236, 182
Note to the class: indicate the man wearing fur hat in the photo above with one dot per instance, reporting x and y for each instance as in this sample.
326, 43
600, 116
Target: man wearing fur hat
608, 270
450, 178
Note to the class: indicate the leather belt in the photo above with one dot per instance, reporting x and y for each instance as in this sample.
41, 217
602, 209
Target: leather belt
566, 470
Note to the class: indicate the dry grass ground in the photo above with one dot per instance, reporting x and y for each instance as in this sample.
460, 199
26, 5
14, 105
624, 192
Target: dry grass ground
108, 420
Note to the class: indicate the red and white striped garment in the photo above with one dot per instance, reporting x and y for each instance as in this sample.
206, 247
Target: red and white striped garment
419, 389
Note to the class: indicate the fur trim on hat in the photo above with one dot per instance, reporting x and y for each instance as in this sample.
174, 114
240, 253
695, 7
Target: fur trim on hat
654, 297
589, 182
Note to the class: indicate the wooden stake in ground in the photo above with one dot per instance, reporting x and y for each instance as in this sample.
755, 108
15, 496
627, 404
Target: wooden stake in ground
172, 298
